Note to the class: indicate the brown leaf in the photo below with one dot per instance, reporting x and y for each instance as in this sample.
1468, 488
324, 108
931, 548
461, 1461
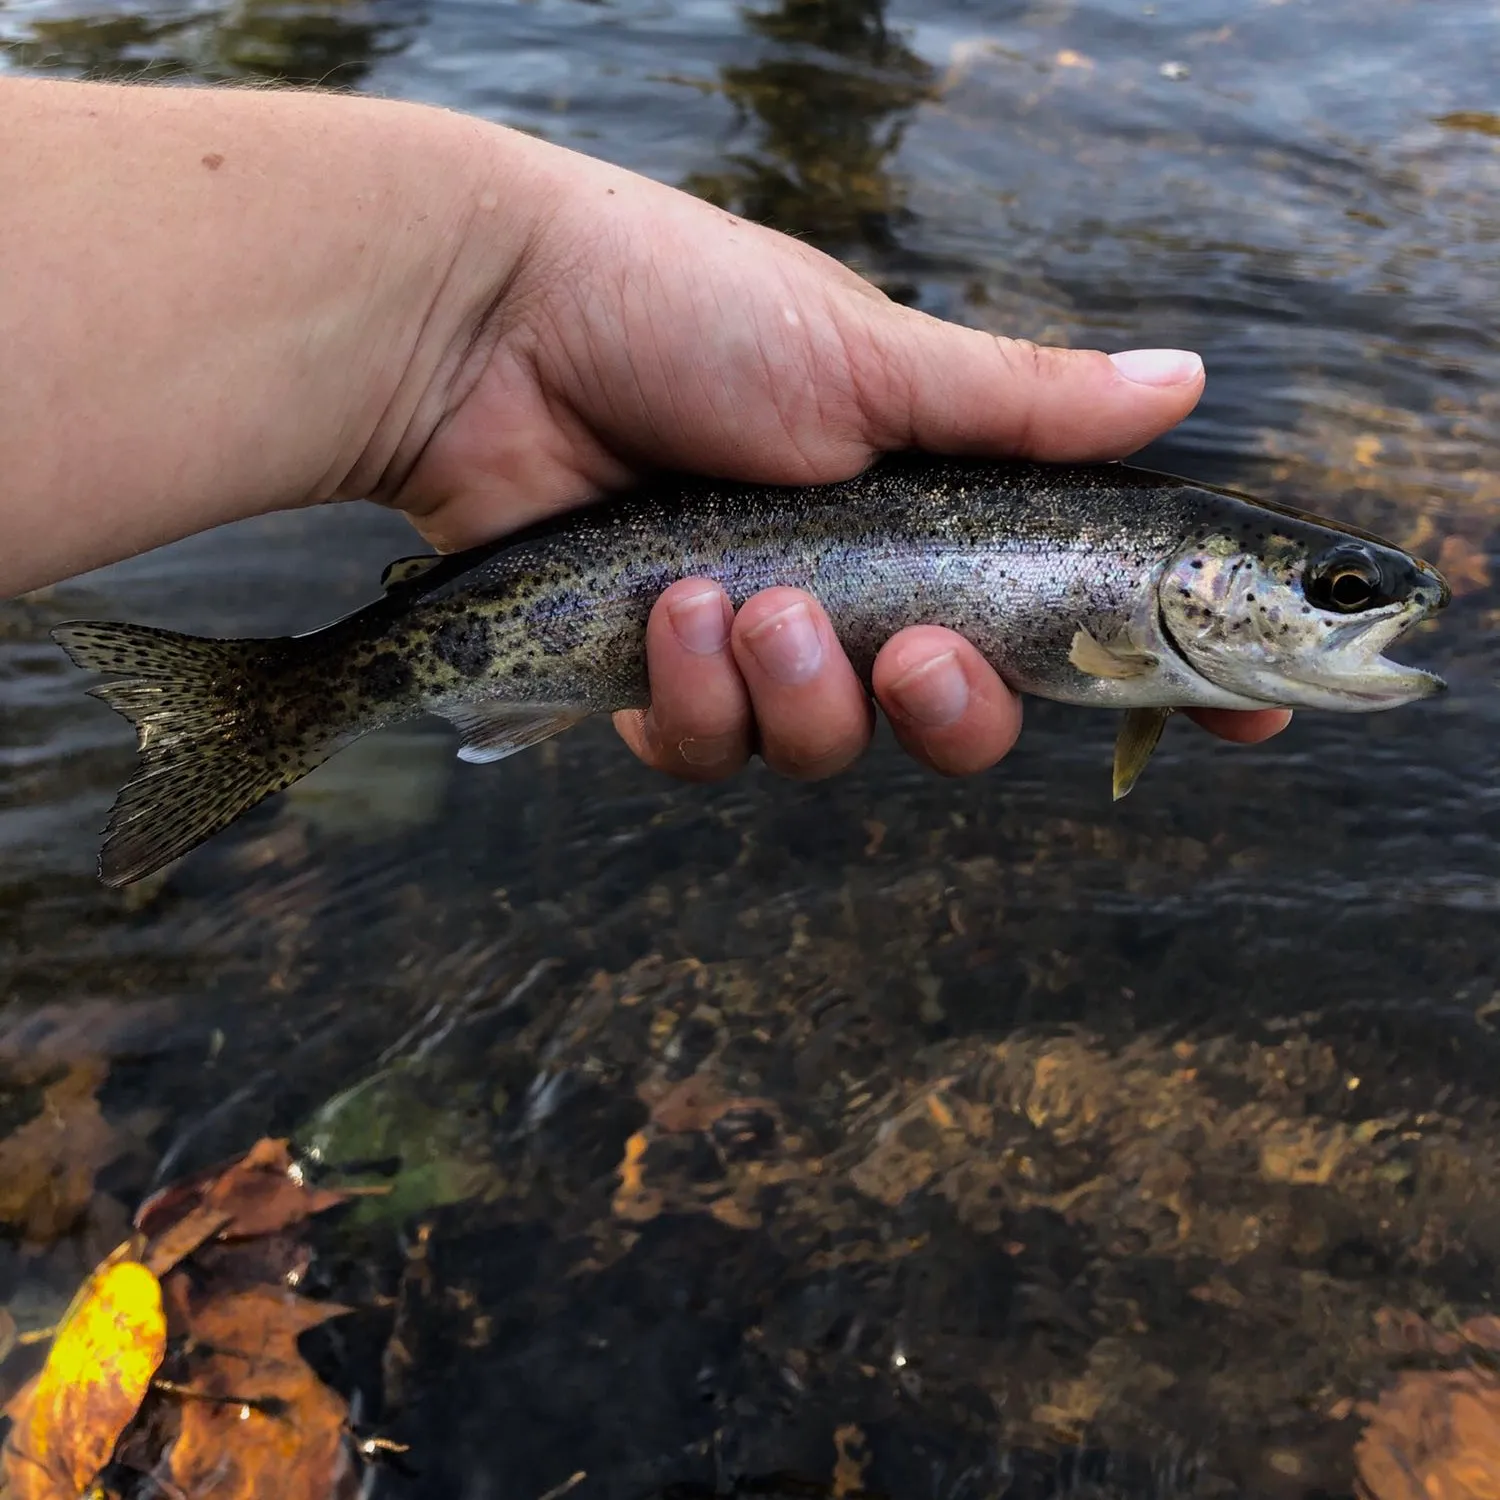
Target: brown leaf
696, 1103
1483, 1331
269, 1426
48, 1165
852, 1459
1479, 120
1465, 566
1435, 1435
258, 1194
177, 1241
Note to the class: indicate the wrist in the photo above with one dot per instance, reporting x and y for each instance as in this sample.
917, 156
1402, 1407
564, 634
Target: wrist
223, 302
425, 326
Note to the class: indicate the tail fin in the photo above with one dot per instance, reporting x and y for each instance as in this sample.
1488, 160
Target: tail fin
211, 746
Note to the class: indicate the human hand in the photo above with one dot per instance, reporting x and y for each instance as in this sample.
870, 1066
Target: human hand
643, 328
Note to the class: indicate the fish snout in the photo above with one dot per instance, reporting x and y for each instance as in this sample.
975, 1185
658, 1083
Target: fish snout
1436, 593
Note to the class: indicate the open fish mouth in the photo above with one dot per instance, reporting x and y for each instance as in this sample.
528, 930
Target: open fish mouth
1362, 673
1401, 684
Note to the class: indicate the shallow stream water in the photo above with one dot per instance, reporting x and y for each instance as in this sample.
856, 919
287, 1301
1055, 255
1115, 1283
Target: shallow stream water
892, 1135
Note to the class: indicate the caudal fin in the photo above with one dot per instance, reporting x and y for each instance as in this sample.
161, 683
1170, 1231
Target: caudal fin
210, 742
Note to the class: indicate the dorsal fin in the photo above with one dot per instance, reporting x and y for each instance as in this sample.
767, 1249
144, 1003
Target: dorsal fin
404, 569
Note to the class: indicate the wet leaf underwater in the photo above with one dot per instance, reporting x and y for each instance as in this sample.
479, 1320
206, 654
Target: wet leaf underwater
288, 1441
66, 1423
48, 1165
259, 1194
1435, 1433
242, 1413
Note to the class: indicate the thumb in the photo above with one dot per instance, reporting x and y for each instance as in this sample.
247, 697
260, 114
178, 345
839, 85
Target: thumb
949, 389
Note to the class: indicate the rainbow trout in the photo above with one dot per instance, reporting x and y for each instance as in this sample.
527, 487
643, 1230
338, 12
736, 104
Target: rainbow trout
1102, 585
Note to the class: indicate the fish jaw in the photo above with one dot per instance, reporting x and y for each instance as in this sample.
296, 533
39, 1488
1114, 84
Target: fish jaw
1368, 681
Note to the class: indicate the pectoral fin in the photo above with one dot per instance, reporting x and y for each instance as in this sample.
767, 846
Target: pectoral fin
1136, 743
1097, 660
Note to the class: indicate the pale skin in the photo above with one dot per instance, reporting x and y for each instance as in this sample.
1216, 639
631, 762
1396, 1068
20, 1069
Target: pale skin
219, 303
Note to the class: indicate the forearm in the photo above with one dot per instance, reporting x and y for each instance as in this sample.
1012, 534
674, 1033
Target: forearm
216, 303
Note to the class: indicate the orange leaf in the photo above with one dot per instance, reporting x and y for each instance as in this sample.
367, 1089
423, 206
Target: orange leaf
1464, 565
48, 1165
256, 1195
1435, 1435
68, 1419
179, 1240
271, 1426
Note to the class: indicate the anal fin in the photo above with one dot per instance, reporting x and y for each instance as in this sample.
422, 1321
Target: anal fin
491, 731
1135, 745
1095, 659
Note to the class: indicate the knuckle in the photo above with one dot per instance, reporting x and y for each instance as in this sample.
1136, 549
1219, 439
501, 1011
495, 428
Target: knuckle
1026, 359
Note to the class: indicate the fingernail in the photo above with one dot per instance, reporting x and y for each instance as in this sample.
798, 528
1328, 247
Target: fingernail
787, 646
1158, 366
698, 622
934, 694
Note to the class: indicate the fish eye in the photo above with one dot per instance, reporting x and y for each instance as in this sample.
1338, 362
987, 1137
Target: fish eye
1347, 580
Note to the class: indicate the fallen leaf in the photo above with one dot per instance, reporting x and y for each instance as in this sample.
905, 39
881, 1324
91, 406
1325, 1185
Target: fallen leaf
696, 1104
1434, 1435
633, 1200
852, 1458
1420, 533
69, 1418
178, 1241
1479, 120
261, 1193
258, 1421
1465, 566
48, 1164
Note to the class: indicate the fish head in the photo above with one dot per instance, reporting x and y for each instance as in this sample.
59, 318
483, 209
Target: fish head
1288, 609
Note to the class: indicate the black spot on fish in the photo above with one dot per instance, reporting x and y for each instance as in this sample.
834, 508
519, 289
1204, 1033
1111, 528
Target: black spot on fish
559, 623
464, 643
385, 676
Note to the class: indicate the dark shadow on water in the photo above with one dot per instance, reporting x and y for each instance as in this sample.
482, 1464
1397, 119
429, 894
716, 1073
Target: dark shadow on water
826, 103
307, 42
